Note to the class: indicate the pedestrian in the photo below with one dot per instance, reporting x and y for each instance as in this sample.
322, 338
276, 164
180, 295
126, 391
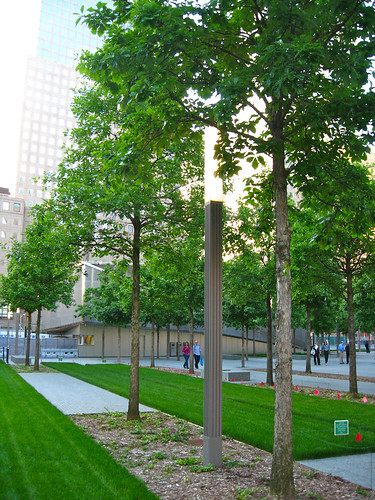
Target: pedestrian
316, 354
367, 346
325, 348
347, 350
341, 352
197, 353
186, 353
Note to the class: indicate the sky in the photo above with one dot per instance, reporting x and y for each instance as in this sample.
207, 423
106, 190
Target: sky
18, 35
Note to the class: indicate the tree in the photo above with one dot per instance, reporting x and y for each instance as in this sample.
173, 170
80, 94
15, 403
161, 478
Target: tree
254, 226
310, 277
42, 271
275, 77
108, 303
120, 199
345, 237
244, 304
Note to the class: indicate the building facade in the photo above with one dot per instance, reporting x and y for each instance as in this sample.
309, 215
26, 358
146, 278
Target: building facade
48, 93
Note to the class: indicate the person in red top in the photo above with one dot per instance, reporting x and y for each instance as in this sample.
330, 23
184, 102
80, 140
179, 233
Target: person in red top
186, 353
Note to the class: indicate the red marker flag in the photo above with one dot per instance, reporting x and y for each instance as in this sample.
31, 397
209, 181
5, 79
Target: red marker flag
261, 383
358, 437
316, 392
338, 396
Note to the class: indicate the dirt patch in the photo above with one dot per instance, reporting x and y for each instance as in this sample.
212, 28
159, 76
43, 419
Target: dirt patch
166, 453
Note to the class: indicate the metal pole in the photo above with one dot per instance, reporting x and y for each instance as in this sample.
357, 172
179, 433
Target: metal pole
212, 430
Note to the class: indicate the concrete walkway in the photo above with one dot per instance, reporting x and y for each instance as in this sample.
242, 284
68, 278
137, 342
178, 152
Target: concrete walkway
71, 396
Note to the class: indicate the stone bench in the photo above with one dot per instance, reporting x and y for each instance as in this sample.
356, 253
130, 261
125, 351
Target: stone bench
231, 376
59, 353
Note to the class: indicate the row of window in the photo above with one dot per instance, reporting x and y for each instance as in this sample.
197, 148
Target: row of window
4, 235
6, 205
4, 221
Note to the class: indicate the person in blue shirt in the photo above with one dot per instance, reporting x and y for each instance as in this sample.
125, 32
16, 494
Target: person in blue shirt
197, 353
341, 353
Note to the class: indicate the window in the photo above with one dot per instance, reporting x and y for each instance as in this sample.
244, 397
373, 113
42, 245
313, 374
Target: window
4, 220
17, 207
86, 340
6, 205
2, 234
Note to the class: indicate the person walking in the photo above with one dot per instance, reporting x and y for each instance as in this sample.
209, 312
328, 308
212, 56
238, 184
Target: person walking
317, 354
197, 353
325, 348
341, 353
367, 346
186, 353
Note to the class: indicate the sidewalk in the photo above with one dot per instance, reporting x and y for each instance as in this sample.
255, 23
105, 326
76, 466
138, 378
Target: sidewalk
71, 396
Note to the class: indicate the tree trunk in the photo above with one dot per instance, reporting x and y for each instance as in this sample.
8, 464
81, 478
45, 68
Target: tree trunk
157, 341
191, 341
282, 483
152, 364
269, 342
103, 330
247, 342
254, 350
351, 333
28, 333
294, 340
37, 338
133, 409
242, 343
178, 343
168, 339
308, 336
119, 344
17, 332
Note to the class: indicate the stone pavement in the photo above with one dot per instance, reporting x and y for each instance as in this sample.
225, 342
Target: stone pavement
74, 396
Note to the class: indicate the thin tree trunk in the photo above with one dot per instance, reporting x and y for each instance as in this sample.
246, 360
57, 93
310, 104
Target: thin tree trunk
37, 338
351, 333
191, 341
103, 329
152, 343
119, 343
308, 336
282, 482
242, 343
254, 346
178, 342
17, 332
133, 409
157, 341
269, 342
28, 330
168, 339
247, 342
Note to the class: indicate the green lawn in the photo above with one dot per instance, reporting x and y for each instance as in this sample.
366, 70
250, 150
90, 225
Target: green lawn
247, 410
44, 455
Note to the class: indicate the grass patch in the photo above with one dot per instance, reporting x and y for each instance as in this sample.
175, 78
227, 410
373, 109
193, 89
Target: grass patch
248, 411
43, 454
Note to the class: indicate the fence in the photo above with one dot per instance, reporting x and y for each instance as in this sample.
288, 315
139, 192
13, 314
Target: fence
55, 347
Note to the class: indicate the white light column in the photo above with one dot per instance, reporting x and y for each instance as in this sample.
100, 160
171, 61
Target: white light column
212, 430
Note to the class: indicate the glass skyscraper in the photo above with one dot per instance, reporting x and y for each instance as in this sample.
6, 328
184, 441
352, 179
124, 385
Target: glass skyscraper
50, 78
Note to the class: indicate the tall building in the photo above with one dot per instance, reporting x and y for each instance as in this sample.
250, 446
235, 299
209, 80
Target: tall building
46, 113
50, 78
